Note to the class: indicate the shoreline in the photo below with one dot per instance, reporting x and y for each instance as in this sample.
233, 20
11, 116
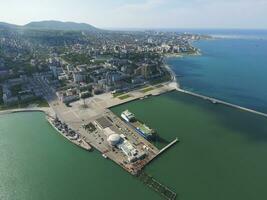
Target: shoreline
46, 110
174, 81
80, 141
205, 97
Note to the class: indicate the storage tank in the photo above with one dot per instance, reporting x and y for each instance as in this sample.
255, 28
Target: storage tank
114, 139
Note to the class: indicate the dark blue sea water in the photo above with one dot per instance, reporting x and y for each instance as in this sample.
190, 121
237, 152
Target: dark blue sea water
232, 69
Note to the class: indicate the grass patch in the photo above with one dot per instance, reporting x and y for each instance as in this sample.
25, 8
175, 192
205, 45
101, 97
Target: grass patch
126, 96
145, 90
117, 94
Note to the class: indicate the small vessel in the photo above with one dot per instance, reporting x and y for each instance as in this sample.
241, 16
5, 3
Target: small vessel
104, 155
128, 116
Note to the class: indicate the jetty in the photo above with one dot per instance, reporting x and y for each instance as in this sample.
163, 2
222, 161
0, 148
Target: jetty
168, 146
164, 149
217, 101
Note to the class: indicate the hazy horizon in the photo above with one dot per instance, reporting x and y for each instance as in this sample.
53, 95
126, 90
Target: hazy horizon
142, 14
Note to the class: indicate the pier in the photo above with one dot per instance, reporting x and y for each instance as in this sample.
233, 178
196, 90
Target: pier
163, 190
213, 100
164, 149
168, 146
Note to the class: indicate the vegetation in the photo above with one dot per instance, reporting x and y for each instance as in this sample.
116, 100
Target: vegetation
90, 127
117, 94
38, 101
77, 59
16, 89
126, 96
165, 78
145, 90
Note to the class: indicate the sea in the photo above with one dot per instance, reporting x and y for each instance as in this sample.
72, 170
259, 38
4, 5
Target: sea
221, 152
232, 67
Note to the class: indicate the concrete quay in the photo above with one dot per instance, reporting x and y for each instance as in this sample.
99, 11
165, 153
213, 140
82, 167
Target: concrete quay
81, 113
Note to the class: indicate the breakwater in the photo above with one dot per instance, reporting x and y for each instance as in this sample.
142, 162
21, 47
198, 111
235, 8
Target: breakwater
215, 101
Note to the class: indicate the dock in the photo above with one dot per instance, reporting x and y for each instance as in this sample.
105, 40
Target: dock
164, 149
168, 146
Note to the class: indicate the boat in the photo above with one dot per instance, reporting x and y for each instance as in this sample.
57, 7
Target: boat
84, 144
104, 155
144, 130
141, 128
128, 116
74, 139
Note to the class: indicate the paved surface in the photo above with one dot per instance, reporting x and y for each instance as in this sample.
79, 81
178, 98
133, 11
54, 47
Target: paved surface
81, 113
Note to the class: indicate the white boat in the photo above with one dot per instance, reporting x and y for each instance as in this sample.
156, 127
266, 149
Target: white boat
104, 155
128, 116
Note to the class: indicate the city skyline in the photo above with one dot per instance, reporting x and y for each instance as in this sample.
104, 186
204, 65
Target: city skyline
141, 13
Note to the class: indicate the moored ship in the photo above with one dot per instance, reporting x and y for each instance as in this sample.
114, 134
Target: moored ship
128, 116
141, 128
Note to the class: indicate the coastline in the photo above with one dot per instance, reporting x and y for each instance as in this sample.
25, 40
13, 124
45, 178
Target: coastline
47, 110
179, 55
175, 83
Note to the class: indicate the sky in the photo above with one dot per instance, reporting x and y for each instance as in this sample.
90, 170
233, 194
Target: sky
243, 14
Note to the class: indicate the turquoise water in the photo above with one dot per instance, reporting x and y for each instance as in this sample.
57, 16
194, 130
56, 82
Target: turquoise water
37, 163
221, 155
234, 70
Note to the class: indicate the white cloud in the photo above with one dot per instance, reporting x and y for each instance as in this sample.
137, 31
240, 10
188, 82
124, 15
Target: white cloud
142, 6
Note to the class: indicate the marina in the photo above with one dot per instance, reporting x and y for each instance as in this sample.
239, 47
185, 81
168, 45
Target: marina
123, 139
178, 160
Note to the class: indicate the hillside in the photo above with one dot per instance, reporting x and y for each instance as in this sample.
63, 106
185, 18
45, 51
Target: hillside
58, 25
52, 25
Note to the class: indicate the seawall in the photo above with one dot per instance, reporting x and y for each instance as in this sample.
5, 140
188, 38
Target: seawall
214, 100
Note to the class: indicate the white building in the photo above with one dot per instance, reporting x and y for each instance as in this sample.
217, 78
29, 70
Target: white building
79, 77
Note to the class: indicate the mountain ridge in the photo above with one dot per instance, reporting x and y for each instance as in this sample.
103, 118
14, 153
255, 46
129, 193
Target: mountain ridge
52, 25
